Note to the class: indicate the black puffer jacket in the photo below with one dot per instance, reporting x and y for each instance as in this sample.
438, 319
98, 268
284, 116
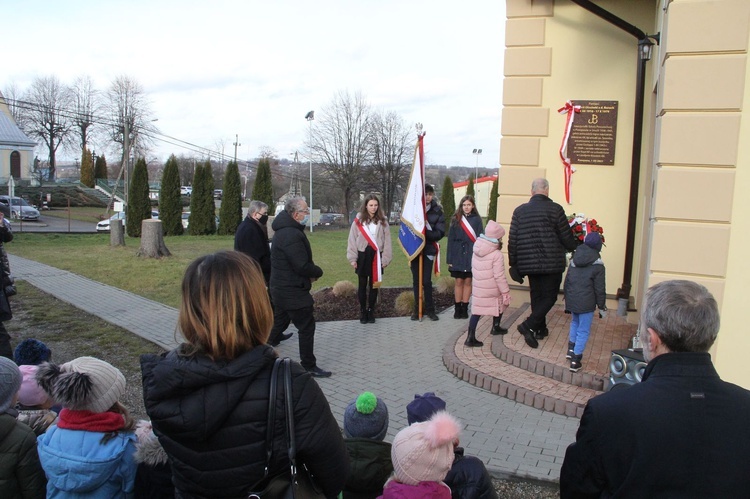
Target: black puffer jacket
292, 264
585, 283
210, 418
436, 232
468, 478
460, 247
539, 237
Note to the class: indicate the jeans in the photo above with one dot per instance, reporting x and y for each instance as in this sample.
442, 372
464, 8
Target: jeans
429, 305
304, 320
580, 328
543, 290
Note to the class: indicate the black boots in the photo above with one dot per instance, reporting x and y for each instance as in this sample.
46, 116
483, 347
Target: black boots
370, 316
528, 335
496, 328
465, 310
366, 316
471, 338
575, 363
571, 352
458, 310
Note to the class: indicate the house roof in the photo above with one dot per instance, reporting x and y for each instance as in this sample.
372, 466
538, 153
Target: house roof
488, 178
10, 134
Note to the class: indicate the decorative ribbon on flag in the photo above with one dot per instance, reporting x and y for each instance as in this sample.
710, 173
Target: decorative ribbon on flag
377, 266
436, 267
468, 229
570, 110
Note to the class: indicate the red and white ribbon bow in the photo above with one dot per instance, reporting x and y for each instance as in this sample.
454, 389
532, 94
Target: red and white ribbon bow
570, 110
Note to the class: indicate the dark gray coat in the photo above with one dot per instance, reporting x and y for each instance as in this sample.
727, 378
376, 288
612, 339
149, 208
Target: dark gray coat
585, 283
539, 237
292, 266
460, 247
436, 232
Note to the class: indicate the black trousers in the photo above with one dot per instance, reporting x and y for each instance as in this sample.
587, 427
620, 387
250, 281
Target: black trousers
5, 348
543, 289
304, 320
429, 305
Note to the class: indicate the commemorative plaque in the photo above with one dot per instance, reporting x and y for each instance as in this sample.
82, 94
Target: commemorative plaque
593, 133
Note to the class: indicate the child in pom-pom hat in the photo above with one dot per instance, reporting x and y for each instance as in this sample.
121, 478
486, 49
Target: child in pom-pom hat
34, 405
365, 426
422, 455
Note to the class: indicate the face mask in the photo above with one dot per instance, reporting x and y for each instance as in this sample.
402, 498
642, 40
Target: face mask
263, 219
305, 220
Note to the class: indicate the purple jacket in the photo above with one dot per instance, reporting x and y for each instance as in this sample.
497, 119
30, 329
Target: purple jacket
423, 490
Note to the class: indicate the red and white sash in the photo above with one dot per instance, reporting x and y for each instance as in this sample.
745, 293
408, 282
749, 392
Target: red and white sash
468, 229
377, 267
436, 266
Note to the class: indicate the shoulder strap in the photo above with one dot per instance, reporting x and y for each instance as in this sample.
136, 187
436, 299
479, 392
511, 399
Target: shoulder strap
270, 423
287, 374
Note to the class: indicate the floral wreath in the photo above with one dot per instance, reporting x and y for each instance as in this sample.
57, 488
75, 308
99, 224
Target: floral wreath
580, 226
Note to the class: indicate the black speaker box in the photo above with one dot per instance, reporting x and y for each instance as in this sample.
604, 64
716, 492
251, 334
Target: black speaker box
626, 368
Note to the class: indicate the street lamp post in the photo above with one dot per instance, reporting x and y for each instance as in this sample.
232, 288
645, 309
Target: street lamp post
477, 153
310, 117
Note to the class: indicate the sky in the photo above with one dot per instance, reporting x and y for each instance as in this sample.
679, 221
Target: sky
220, 69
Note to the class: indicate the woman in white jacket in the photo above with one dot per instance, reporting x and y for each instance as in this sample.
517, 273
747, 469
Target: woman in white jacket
369, 252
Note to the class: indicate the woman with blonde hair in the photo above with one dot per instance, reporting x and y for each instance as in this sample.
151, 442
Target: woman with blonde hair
369, 251
208, 398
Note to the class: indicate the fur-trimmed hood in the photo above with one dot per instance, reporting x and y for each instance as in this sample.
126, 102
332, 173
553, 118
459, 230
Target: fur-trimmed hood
148, 449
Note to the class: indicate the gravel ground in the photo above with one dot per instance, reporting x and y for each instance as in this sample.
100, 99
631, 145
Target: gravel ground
71, 333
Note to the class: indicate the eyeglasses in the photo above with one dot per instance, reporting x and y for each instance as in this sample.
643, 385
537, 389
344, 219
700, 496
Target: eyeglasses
305, 211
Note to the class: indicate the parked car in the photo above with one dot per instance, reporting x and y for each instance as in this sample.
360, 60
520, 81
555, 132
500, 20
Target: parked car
186, 190
218, 193
19, 208
186, 219
105, 225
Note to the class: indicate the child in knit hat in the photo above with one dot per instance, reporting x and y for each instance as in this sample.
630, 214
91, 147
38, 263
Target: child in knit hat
31, 352
490, 293
468, 477
34, 405
422, 455
365, 426
585, 290
90, 449
22, 475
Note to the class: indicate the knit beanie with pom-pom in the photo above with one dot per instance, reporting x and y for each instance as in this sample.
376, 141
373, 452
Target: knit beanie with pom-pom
423, 452
366, 417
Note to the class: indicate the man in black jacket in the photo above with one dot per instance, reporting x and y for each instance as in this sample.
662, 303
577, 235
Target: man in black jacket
292, 274
434, 232
251, 237
682, 431
539, 237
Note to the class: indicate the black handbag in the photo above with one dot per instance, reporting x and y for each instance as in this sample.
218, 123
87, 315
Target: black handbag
294, 483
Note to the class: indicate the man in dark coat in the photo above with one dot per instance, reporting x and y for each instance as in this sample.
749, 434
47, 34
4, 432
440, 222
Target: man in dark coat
292, 274
434, 232
539, 237
251, 237
682, 431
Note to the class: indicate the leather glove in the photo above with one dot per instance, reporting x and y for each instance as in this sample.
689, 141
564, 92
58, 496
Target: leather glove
515, 275
506, 299
603, 313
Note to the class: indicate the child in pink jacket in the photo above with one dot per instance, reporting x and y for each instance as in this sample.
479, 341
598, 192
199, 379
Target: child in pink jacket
490, 293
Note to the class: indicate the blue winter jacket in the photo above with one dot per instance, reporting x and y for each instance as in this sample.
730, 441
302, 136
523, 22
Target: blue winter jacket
78, 465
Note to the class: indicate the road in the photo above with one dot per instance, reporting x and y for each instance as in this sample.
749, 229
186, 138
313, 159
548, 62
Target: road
53, 224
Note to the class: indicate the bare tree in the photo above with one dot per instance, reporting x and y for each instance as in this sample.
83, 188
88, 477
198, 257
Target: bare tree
12, 95
392, 151
340, 141
45, 114
128, 106
84, 99
268, 152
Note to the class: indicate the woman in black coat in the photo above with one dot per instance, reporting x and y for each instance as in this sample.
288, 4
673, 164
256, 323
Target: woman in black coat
465, 228
208, 399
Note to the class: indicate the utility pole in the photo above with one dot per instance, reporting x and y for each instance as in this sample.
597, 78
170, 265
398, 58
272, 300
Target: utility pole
310, 116
236, 143
126, 158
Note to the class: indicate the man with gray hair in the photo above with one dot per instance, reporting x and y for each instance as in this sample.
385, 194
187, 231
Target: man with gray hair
538, 239
251, 237
292, 274
682, 431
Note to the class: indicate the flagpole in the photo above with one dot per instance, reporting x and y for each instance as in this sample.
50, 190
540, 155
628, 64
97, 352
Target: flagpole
421, 285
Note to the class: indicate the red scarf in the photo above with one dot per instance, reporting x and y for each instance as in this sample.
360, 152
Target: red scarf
377, 267
104, 422
468, 229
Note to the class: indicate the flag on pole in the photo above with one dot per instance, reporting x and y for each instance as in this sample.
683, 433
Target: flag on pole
411, 233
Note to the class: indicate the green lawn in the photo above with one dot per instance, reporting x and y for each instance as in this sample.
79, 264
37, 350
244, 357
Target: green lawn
90, 255
82, 214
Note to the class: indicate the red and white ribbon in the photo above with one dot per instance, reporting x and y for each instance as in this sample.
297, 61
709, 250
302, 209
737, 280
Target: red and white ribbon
570, 110
436, 266
468, 229
377, 267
